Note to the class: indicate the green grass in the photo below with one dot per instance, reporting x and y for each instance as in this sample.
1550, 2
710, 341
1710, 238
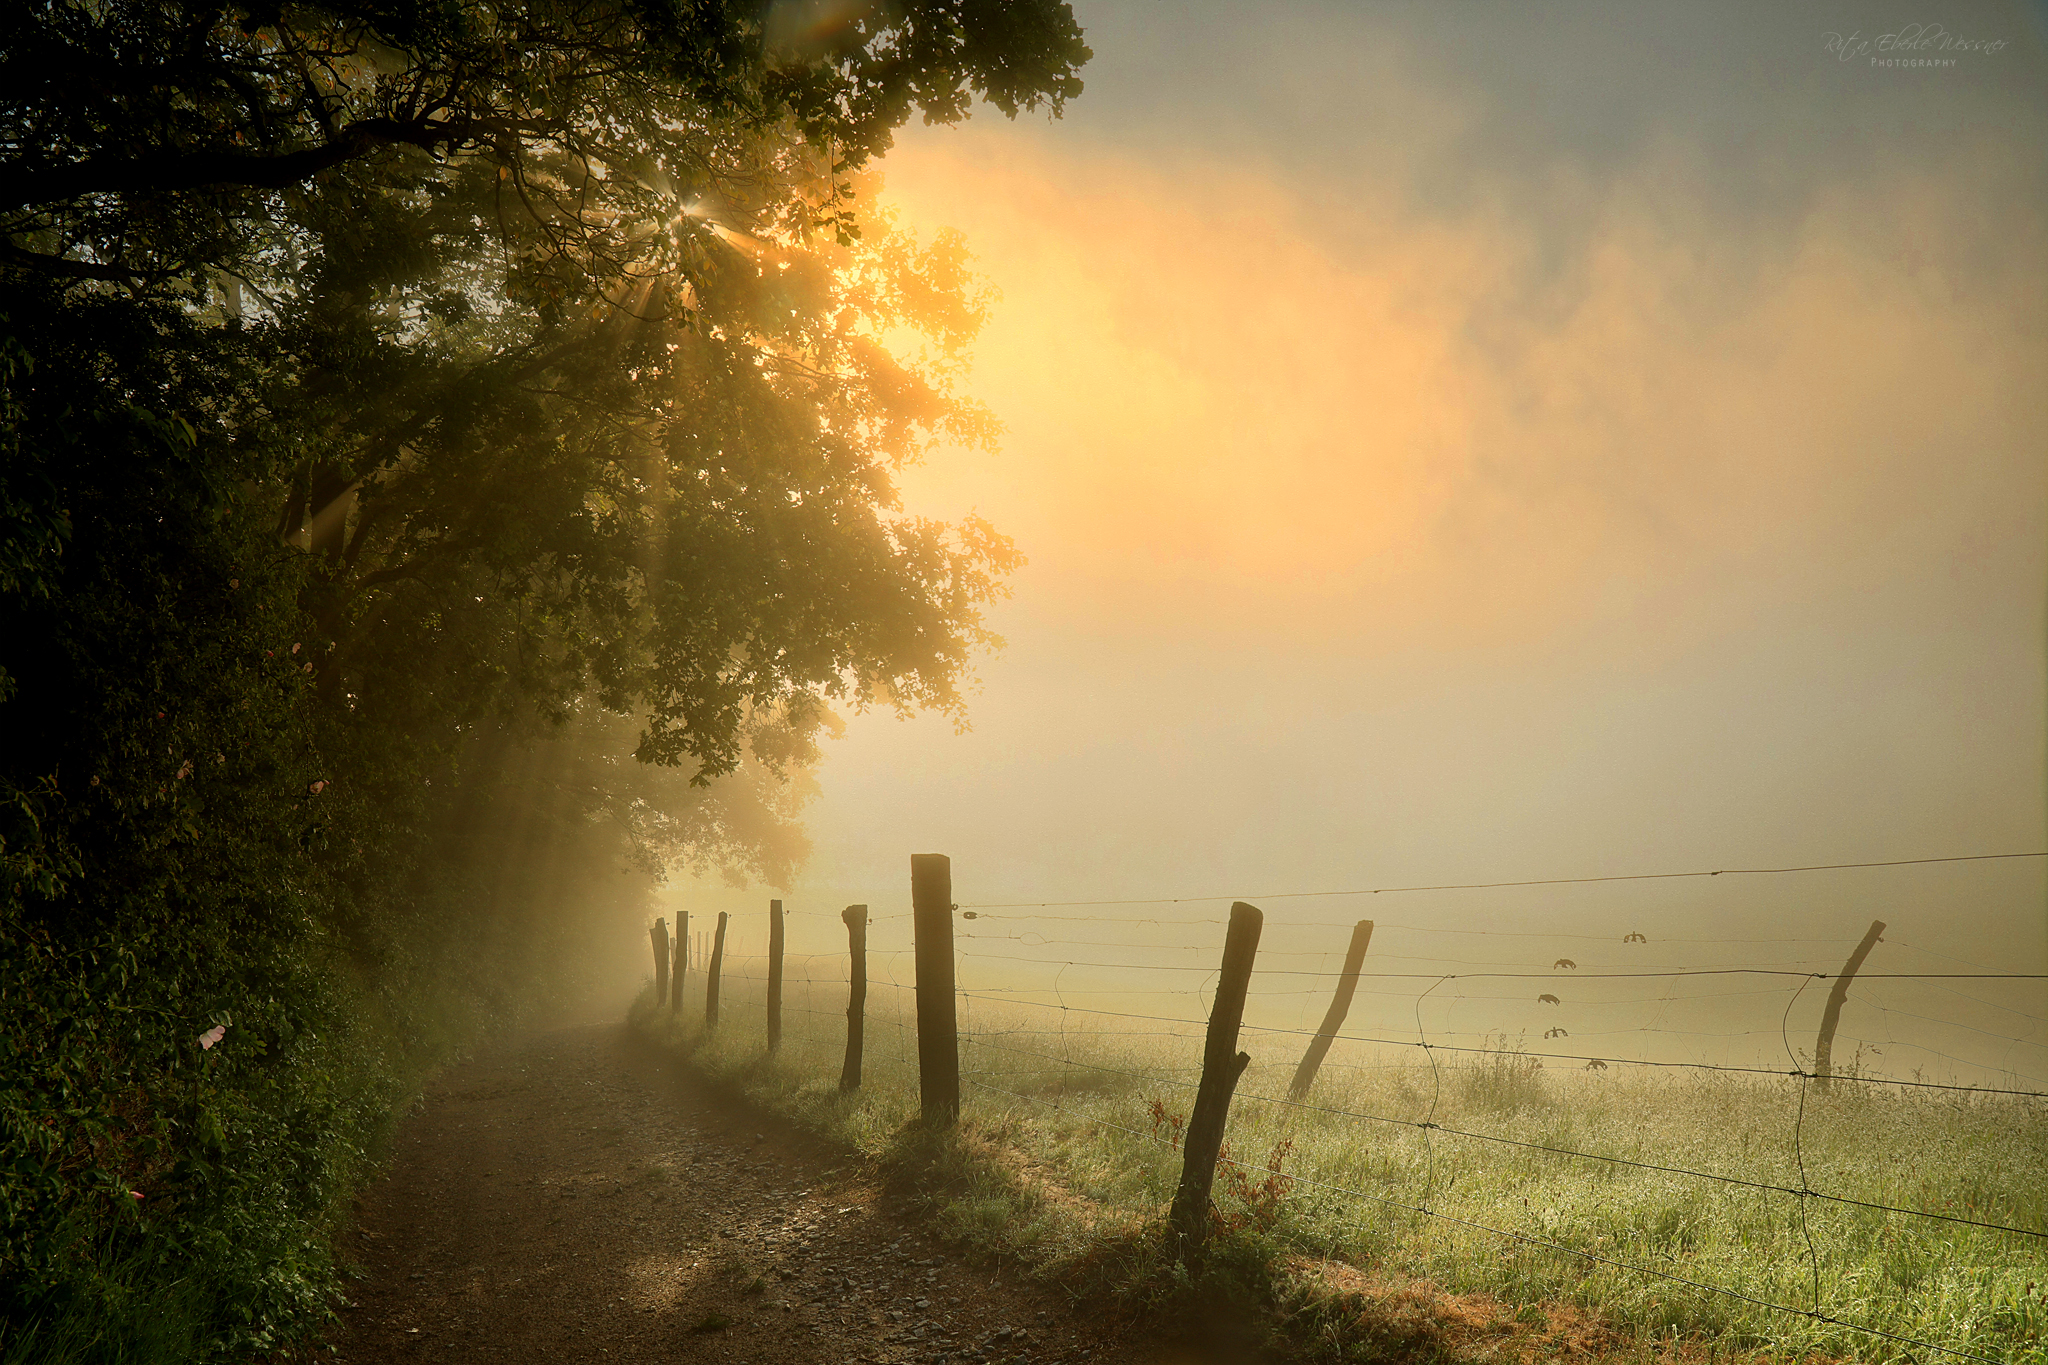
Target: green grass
122, 1327
1073, 1127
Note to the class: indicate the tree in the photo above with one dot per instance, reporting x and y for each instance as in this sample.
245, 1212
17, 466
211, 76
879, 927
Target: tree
573, 310
383, 388
145, 140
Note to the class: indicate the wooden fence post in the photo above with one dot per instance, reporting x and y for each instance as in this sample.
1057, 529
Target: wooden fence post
774, 975
856, 917
1824, 1045
938, 1040
675, 1005
659, 935
711, 975
1340, 1005
1222, 1064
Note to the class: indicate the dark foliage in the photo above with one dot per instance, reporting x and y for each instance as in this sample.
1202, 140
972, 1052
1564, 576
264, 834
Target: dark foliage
407, 413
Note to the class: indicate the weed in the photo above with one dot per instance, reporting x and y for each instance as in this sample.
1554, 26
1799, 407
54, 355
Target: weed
1164, 1118
1504, 1078
1253, 1207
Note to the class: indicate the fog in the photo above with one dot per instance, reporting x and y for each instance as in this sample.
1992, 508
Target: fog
1476, 446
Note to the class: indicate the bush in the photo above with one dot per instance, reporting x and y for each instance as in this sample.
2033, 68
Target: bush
236, 924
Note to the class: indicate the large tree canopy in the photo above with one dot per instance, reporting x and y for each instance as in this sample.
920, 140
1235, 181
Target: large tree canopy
410, 412
143, 139
567, 311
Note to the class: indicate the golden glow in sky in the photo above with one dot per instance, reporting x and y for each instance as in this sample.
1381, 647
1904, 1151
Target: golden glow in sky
1452, 452
1218, 401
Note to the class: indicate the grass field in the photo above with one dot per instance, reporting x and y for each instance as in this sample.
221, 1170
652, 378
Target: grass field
1484, 1173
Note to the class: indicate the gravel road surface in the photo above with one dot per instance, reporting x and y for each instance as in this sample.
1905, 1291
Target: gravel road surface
575, 1196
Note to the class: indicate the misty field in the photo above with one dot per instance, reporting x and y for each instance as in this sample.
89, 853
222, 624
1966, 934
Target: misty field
1482, 1173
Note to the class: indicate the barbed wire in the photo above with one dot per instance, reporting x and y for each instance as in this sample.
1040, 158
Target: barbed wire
1529, 881
1533, 1146
1811, 1314
991, 993
1430, 1127
1264, 953
1594, 974
1945, 1023
1472, 1033
1790, 1073
1990, 1004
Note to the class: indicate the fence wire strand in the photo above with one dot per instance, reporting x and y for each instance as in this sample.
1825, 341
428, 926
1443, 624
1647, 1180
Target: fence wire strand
1061, 1088
1814, 1315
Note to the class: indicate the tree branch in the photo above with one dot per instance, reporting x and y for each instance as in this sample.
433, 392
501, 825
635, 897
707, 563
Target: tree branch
59, 265
203, 170
378, 576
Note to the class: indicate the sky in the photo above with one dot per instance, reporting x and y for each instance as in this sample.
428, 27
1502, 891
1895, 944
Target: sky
1498, 443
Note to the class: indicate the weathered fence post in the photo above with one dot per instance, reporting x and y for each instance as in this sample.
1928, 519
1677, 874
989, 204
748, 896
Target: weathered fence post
938, 1040
774, 975
675, 1005
659, 934
1340, 1005
1824, 1045
711, 975
856, 917
1222, 1064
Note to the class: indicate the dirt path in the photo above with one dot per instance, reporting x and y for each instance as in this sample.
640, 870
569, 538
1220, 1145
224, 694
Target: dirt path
574, 1196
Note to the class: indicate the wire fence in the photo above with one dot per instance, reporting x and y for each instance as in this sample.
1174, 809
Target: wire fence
1907, 1211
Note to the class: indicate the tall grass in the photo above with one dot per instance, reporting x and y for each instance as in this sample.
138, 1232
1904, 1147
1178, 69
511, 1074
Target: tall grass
1389, 1165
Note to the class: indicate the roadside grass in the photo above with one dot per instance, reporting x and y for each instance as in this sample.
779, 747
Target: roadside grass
1067, 1156
119, 1326
218, 1278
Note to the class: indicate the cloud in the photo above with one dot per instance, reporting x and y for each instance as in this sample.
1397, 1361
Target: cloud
1225, 403
1469, 444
